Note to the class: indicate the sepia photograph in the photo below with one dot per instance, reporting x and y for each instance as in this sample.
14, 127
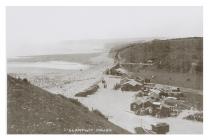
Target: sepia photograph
104, 69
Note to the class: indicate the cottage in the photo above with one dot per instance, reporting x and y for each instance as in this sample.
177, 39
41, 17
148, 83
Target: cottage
156, 106
172, 101
155, 93
161, 109
131, 85
160, 128
149, 85
136, 105
165, 110
140, 104
116, 70
169, 108
173, 91
141, 94
154, 96
163, 94
112, 72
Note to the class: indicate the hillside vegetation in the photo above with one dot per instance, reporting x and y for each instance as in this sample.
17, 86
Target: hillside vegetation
181, 57
32, 110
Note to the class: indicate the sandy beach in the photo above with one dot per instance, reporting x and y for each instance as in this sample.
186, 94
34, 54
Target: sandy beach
115, 104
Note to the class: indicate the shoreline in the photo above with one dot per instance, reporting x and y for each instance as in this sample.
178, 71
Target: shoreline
114, 104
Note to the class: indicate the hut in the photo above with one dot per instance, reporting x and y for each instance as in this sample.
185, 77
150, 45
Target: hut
131, 85
163, 94
116, 70
160, 128
141, 94
140, 104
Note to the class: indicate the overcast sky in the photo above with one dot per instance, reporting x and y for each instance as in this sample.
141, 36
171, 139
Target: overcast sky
31, 28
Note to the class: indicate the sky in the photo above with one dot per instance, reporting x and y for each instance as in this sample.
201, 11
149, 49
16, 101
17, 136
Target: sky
38, 30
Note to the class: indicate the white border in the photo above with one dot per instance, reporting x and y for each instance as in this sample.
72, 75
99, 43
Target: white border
4, 3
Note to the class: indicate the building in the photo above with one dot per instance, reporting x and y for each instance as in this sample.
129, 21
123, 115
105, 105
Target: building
116, 70
155, 93
141, 94
131, 85
163, 94
160, 128
139, 104
149, 85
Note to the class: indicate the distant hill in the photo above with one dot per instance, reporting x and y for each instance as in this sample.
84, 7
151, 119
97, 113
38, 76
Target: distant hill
182, 56
32, 110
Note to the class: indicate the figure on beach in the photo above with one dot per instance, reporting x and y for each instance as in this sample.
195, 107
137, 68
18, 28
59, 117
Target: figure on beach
104, 83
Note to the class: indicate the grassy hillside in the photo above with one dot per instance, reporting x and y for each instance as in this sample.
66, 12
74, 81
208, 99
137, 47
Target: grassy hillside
36, 111
182, 57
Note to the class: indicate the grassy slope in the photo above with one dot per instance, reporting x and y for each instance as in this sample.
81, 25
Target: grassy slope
173, 59
33, 110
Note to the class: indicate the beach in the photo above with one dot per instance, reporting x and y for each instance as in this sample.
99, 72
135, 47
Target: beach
114, 104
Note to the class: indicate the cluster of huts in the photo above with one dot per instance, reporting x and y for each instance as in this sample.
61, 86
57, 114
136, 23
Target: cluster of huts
149, 99
149, 106
116, 70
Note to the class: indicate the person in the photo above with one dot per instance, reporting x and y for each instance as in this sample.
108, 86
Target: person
105, 85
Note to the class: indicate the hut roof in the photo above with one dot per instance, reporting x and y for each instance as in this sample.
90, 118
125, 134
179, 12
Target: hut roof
166, 105
160, 124
171, 102
156, 91
154, 95
156, 103
133, 82
143, 100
